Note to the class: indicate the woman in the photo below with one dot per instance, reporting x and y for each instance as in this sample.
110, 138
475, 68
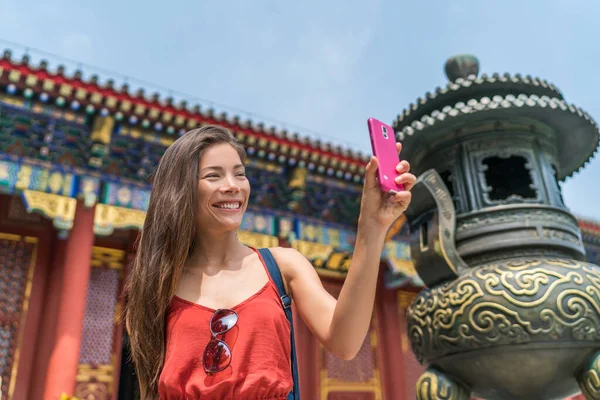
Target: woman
190, 263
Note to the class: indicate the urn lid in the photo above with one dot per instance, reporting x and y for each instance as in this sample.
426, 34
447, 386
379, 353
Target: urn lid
471, 97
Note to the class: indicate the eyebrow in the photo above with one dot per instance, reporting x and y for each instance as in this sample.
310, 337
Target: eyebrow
219, 168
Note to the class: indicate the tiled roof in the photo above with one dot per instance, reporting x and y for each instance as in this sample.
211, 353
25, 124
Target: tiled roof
162, 115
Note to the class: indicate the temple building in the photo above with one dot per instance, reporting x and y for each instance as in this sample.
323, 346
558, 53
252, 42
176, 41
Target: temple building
75, 156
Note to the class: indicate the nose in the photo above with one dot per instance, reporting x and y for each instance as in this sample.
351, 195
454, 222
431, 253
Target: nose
230, 185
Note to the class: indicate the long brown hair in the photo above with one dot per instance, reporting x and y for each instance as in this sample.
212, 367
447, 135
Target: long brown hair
164, 245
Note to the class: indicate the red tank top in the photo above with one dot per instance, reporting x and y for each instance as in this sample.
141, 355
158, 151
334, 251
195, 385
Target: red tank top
260, 346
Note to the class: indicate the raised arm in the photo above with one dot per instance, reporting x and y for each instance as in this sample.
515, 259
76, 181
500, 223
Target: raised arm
341, 326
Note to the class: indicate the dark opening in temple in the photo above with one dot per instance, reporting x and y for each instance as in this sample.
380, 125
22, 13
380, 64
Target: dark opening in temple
508, 177
555, 171
448, 180
446, 177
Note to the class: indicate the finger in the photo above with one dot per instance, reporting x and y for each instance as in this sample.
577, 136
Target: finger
403, 166
408, 180
402, 197
371, 173
399, 147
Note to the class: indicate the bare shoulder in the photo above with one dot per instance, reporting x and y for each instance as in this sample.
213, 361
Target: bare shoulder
285, 252
288, 259
291, 263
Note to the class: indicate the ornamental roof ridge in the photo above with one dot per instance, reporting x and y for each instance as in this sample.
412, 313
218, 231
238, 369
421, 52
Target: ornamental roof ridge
471, 81
510, 101
589, 225
158, 112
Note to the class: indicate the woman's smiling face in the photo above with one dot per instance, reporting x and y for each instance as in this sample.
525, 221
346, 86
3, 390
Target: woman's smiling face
223, 189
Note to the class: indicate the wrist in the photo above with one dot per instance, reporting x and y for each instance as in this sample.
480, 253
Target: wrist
371, 225
370, 232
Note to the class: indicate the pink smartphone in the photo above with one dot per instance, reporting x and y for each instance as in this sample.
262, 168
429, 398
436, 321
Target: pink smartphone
383, 143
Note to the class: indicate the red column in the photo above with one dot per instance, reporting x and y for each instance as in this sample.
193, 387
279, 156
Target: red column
307, 351
389, 341
64, 360
46, 334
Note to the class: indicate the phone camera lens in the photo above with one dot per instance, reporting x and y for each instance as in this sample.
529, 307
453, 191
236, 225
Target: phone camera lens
385, 132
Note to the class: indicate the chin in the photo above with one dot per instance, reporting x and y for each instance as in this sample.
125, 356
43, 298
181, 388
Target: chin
218, 223
231, 226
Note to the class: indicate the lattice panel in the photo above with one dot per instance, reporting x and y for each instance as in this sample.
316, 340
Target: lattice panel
17, 261
412, 369
95, 376
8, 344
351, 380
361, 369
98, 324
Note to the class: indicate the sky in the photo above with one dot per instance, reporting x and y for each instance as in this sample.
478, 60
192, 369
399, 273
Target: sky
320, 67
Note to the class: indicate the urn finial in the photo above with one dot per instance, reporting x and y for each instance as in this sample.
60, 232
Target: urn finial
461, 66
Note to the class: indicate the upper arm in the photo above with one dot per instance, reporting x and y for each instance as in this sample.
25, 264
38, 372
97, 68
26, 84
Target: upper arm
314, 304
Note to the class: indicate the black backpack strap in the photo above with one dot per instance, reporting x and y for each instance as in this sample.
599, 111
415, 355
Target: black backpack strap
286, 303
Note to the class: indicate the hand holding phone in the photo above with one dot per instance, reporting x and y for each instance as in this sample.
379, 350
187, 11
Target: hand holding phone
383, 143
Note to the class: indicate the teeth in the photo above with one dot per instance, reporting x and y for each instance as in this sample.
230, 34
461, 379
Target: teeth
231, 206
